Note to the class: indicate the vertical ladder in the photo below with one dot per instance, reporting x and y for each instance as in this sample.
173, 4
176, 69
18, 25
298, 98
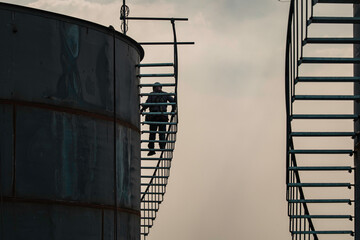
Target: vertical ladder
155, 169
320, 176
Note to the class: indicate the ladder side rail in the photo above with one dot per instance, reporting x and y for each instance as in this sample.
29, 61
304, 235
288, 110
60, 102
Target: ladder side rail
173, 117
299, 190
291, 71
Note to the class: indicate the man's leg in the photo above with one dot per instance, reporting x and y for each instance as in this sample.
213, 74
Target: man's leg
153, 127
162, 128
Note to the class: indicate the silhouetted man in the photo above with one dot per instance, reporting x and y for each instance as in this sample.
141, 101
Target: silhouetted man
160, 117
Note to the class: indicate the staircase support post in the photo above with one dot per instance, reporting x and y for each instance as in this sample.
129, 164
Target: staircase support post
357, 126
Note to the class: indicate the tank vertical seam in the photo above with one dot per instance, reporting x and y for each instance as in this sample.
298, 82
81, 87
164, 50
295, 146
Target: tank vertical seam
115, 165
14, 152
102, 224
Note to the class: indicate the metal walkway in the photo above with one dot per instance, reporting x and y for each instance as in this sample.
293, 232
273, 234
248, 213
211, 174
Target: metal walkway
320, 118
155, 169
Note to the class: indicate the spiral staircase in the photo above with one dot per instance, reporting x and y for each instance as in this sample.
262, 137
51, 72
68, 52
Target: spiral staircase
155, 169
319, 83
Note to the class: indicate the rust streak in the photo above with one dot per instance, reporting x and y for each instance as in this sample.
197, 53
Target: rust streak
109, 118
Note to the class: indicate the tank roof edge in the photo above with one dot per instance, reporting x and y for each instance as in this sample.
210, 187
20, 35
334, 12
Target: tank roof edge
47, 14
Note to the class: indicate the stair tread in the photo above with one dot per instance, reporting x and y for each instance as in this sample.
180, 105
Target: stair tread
155, 159
155, 65
322, 168
320, 201
324, 116
156, 75
336, 1
153, 84
339, 20
321, 216
327, 79
320, 184
325, 151
326, 97
338, 40
317, 134
324, 232
328, 60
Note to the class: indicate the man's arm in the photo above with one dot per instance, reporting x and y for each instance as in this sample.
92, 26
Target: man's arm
145, 107
171, 99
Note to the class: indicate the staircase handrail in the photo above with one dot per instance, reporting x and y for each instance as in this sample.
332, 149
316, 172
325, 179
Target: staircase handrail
289, 75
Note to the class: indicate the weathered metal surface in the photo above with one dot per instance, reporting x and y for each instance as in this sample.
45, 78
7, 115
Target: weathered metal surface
69, 165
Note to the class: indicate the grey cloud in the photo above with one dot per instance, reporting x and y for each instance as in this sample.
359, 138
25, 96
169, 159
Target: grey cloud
238, 9
103, 1
20, 2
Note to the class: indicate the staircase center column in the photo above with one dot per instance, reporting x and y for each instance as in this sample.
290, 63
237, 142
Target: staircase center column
357, 125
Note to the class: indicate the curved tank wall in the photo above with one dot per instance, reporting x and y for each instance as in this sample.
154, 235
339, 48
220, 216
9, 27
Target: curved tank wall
63, 151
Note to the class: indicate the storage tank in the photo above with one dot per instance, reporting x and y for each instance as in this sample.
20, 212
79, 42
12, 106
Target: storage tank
70, 132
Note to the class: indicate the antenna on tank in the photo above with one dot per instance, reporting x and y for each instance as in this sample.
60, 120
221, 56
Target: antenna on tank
124, 12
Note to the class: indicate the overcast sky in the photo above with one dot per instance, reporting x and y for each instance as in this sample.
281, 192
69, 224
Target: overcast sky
228, 174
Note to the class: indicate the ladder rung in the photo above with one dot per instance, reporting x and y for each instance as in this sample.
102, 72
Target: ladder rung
147, 193
332, 40
151, 201
158, 104
152, 85
155, 65
146, 225
157, 149
322, 216
323, 232
326, 97
322, 151
324, 116
320, 185
322, 134
340, 20
327, 79
333, 168
166, 132
152, 184
158, 141
158, 113
156, 75
156, 159
159, 123
146, 176
328, 60
156, 94
321, 201
166, 168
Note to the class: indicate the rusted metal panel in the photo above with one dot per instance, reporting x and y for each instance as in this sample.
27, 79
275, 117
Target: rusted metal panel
64, 156
33, 221
128, 101
128, 226
64, 63
128, 168
6, 149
